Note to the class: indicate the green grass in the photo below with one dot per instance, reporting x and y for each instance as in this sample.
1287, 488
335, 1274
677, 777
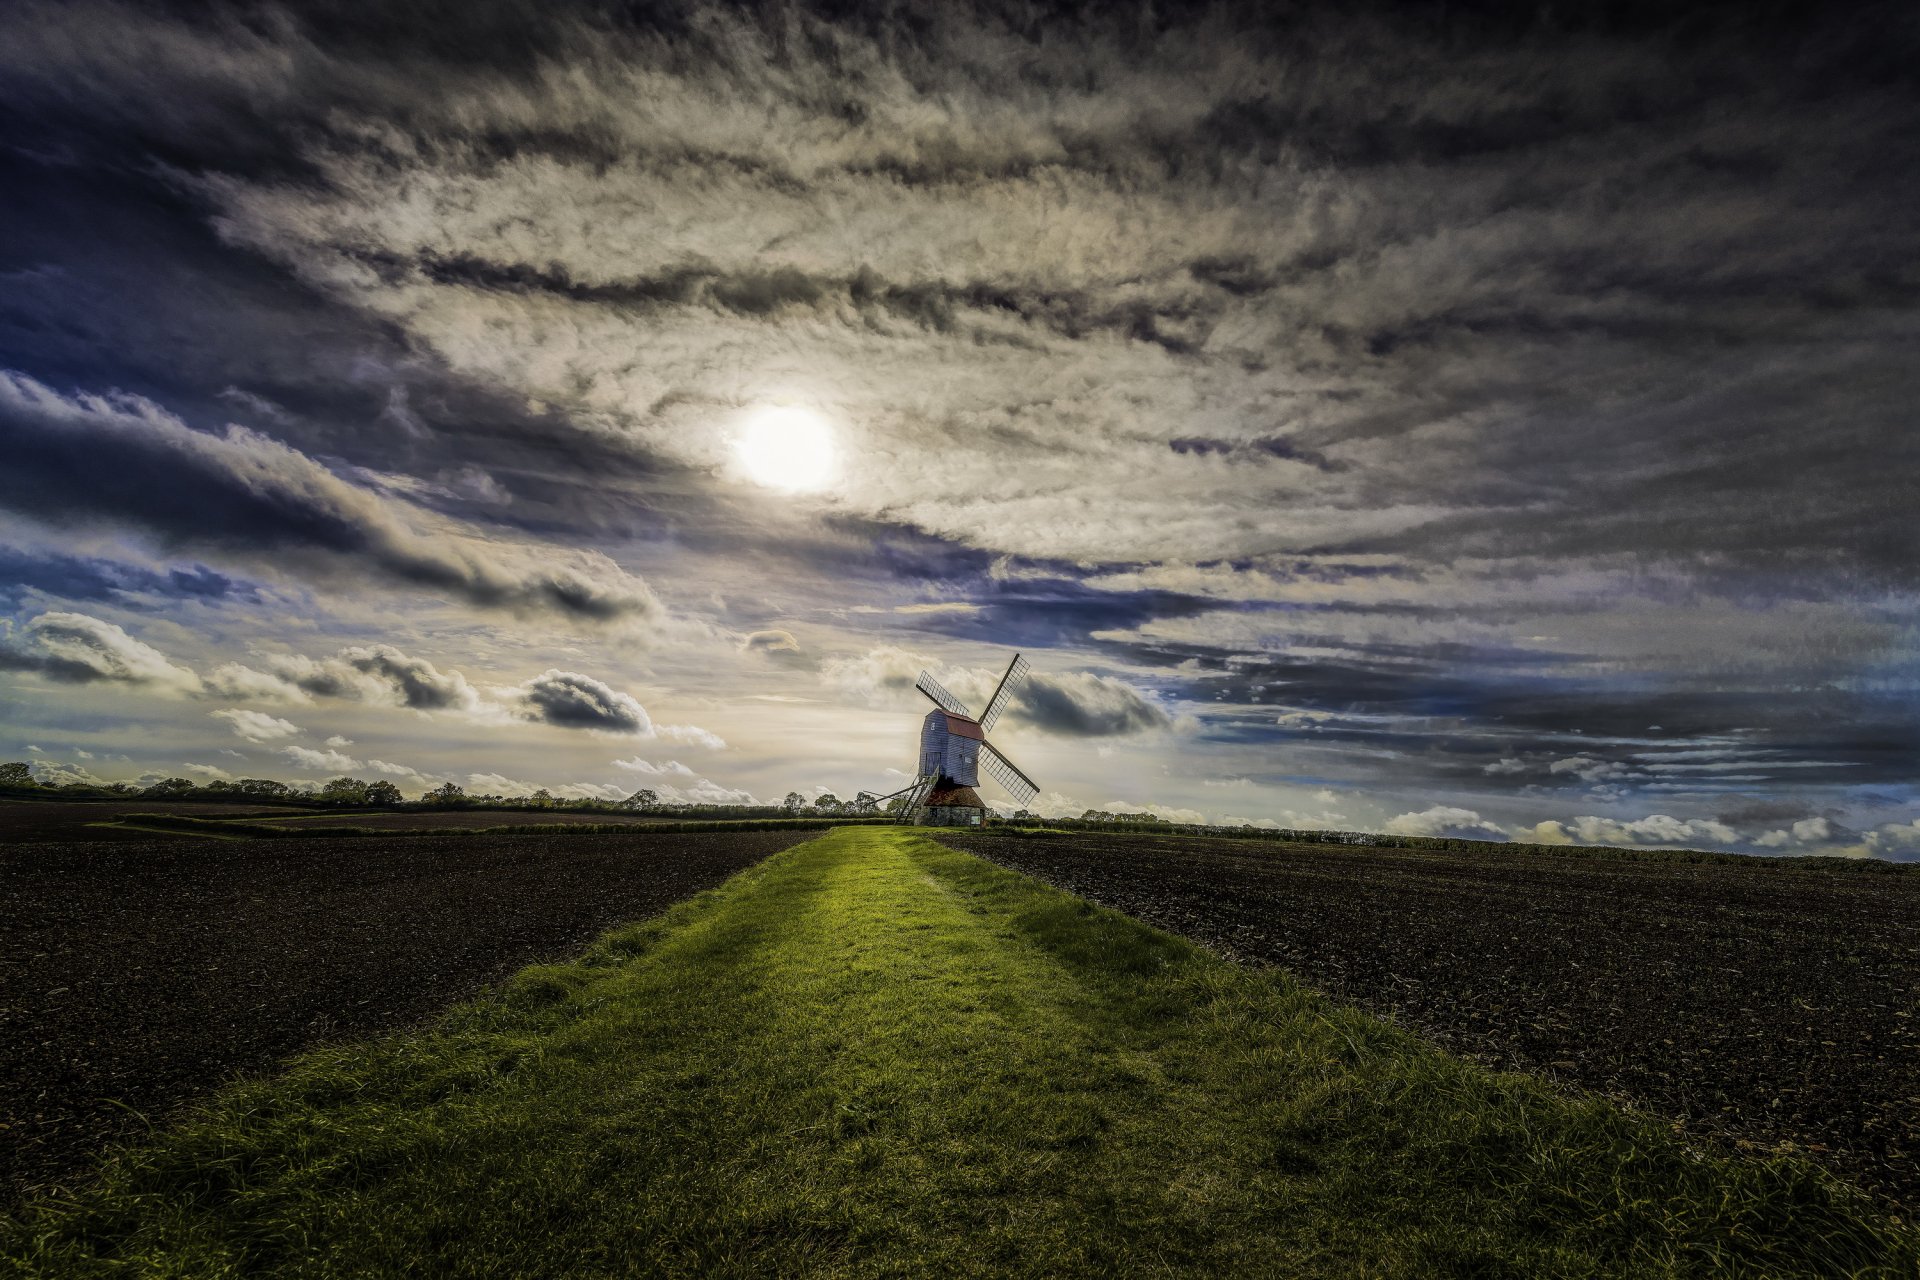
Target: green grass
871, 1055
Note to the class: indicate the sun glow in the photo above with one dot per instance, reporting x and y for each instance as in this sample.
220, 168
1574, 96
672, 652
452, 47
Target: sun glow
787, 447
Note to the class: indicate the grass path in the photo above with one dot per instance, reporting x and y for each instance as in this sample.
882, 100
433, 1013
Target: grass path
872, 1055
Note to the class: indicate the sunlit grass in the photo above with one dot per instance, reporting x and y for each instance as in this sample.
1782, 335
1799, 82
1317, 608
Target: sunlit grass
874, 1055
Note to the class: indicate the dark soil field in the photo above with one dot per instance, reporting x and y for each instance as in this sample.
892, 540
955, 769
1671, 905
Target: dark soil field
136, 977
1767, 1009
458, 819
23, 821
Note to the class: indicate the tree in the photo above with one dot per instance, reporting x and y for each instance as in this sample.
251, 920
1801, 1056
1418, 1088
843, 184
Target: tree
383, 792
446, 793
543, 798
17, 773
794, 802
866, 802
168, 789
261, 788
344, 791
827, 803
1022, 815
644, 798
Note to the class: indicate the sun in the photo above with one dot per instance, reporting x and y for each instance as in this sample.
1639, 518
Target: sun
787, 447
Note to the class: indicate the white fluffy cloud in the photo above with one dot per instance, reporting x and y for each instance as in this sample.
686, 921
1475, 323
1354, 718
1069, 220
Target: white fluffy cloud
1656, 830
256, 726
1807, 831
82, 649
320, 761
53, 773
1445, 820
648, 769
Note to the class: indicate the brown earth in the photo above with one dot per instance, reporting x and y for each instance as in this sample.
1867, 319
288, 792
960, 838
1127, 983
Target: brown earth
134, 978
1760, 1008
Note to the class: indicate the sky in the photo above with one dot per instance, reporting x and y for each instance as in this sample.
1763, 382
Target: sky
1447, 420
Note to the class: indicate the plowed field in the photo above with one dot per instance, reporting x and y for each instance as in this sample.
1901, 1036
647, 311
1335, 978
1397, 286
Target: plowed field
1768, 1008
136, 977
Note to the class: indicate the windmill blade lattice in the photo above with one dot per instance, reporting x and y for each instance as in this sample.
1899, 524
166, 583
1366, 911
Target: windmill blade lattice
933, 689
1009, 685
1007, 774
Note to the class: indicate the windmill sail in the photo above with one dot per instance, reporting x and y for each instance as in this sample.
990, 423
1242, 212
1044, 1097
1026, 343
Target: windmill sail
1009, 685
1007, 774
932, 688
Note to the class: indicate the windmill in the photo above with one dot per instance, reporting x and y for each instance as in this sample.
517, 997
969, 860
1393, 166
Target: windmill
953, 751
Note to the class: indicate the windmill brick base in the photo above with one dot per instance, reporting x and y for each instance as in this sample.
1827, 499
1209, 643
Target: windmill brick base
949, 804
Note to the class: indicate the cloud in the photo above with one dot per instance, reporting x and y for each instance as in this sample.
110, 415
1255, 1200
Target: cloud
691, 735
97, 578
1083, 705
377, 673
590, 791
123, 460
383, 674
53, 773
80, 649
1068, 704
1655, 830
419, 684
771, 641
256, 726
407, 772
211, 772
704, 791
1445, 820
646, 768
1588, 769
499, 785
1505, 765
1807, 831
1898, 840
574, 701
320, 761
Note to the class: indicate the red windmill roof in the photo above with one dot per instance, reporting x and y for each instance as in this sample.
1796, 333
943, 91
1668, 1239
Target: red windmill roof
961, 727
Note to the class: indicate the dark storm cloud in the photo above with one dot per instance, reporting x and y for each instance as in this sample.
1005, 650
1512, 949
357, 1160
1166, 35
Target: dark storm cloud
94, 578
383, 673
1419, 716
420, 684
123, 461
1081, 705
574, 701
